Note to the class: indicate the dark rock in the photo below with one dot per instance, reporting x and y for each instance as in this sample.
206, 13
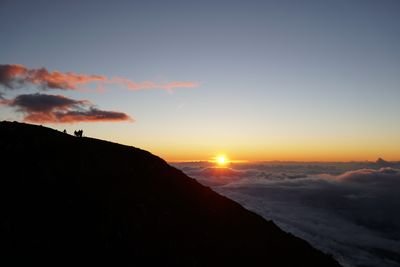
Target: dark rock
87, 201
382, 163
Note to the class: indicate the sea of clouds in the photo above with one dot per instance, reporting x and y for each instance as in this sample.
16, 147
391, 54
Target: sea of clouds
349, 210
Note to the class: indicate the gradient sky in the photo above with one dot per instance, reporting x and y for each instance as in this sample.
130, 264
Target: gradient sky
277, 80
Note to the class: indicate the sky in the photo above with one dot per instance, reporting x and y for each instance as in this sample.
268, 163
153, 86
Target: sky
188, 80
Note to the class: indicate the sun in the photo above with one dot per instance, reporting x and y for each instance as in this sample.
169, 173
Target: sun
221, 160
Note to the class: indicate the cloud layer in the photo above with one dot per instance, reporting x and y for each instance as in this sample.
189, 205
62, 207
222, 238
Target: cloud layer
44, 108
349, 210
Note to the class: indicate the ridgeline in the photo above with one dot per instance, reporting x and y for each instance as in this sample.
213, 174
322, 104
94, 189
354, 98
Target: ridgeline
67, 199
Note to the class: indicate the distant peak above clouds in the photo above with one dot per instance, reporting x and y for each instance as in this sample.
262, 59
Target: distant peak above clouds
381, 161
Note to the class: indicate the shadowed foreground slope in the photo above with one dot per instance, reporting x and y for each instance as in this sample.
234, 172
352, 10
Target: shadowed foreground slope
63, 197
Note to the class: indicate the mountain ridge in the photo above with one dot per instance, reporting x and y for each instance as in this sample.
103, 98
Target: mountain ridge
67, 197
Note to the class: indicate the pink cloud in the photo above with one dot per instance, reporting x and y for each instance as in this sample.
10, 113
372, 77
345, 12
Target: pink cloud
13, 76
43, 108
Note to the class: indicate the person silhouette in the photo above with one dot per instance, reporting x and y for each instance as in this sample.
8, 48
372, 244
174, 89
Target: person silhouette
78, 133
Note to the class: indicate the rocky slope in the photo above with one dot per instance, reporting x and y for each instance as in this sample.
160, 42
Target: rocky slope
68, 199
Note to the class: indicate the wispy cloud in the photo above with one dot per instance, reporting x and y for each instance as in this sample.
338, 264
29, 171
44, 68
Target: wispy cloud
153, 85
44, 108
14, 76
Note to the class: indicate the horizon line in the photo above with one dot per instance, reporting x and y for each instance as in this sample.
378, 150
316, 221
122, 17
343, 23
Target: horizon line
285, 161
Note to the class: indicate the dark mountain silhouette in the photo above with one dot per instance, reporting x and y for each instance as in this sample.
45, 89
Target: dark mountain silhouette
81, 200
383, 163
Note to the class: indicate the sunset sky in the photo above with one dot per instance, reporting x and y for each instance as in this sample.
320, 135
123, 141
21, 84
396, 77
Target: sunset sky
189, 80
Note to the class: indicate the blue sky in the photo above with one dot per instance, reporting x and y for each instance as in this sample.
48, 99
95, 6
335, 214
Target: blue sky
297, 80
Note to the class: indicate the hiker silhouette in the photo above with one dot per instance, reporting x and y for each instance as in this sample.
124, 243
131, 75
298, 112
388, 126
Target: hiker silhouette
78, 133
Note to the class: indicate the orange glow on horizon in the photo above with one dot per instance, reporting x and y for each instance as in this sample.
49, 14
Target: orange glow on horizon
329, 156
269, 149
221, 160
